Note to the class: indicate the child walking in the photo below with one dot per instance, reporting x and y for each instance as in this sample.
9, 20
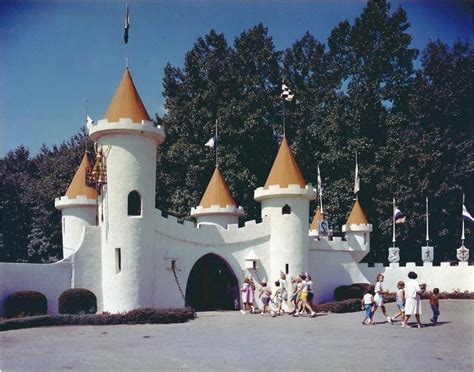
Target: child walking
434, 302
367, 303
378, 298
400, 300
265, 295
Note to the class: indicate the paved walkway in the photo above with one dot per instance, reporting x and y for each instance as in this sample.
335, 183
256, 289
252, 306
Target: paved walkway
230, 340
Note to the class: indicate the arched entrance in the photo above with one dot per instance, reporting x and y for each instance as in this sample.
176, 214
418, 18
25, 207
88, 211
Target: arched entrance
212, 285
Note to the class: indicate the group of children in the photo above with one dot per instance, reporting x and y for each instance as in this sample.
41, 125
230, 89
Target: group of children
299, 299
407, 299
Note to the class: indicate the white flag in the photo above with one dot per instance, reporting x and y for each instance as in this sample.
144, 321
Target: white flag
286, 93
357, 179
320, 187
212, 142
466, 215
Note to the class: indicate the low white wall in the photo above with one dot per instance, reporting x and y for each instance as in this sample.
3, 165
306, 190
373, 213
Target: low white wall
49, 279
332, 269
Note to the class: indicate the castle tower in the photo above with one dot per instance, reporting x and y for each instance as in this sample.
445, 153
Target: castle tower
285, 200
217, 206
128, 139
357, 230
78, 208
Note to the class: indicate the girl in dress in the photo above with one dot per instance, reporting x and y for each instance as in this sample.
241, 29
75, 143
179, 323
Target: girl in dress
265, 295
247, 296
378, 298
413, 299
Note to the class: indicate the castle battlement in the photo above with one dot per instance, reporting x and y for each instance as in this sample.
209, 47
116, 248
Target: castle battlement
144, 128
275, 191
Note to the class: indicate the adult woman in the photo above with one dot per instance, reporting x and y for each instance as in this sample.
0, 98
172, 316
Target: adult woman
412, 299
247, 296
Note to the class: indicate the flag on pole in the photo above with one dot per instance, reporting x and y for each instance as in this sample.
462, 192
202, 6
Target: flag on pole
212, 142
357, 179
398, 216
89, 121
127, 25
286, 93
466, 215
320, 186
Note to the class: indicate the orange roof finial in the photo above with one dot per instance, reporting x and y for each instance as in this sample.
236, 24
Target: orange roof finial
126, 102
357, 216
78, 184
285, 171
217, 192
318, 216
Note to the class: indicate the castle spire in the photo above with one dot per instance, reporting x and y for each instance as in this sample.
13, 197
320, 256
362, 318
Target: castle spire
285, 171
217, 192
357, 216
126, 102
78, 184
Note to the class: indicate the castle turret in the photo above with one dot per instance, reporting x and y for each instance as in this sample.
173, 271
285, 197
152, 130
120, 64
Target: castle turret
217, 206
357, 230
285, 200
78, 208
317, 218
128, 140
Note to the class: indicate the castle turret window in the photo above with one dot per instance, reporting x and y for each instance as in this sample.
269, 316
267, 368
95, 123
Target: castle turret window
134, 204
286, 209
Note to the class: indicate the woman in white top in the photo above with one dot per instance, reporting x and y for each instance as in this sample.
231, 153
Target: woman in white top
412, 299
378, 298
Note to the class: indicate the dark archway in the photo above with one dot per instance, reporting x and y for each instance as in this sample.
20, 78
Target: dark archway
212, 285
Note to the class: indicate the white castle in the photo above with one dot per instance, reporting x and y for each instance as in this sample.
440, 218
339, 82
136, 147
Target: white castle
120, 247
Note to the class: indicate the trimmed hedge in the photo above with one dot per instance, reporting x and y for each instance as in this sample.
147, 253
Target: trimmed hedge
77, 301
356, 290
346, 306
138, 316
25, 303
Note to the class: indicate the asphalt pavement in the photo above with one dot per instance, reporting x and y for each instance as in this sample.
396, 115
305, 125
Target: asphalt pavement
231, 340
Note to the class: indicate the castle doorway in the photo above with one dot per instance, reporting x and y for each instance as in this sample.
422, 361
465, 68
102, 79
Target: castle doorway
212, 285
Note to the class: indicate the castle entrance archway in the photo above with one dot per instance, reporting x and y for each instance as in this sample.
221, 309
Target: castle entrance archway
212, 285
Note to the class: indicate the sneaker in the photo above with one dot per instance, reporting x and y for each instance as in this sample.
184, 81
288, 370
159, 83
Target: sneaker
313, 315
389, 320
432, 320
242, 311
404, 325
296, 315
420, 325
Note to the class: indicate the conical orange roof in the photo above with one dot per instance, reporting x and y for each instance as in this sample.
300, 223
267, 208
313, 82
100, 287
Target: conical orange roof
317, 217
217, 192
78, 185
126, 102
285, 171
357, 216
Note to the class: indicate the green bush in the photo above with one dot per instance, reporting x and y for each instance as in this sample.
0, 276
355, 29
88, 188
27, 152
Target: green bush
77, 301
138, 316
25, 303
356, 290
346, 306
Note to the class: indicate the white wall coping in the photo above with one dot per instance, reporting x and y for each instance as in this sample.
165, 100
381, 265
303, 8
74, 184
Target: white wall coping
79, 201
363, 227
251, 256
275, 191
127, 126
217, 210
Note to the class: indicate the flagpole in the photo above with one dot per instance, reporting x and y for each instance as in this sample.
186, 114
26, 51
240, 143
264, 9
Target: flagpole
462, 218
393, 221
427, 224
126, 56
217, 144
356, 176
320, 191
284, 121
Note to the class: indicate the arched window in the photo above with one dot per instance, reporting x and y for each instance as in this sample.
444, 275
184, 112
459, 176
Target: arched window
134, 204
286, 209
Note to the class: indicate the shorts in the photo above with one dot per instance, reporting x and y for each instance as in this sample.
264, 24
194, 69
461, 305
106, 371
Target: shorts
304, 296
310, 296
266, 300
401, 305
378, 300
284, 296
368, 310
293, 297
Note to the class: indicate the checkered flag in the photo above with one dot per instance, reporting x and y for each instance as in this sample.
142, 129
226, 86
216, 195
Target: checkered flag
286, 93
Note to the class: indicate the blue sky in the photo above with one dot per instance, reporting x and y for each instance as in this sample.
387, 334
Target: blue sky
55, 55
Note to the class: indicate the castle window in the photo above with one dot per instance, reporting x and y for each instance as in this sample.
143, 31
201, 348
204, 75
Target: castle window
287, 269
286, 209
134, 204
118, 260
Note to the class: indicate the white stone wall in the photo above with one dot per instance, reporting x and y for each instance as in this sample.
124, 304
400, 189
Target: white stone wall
49, 279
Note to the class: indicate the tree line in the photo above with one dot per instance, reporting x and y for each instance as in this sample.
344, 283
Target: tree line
407, 113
